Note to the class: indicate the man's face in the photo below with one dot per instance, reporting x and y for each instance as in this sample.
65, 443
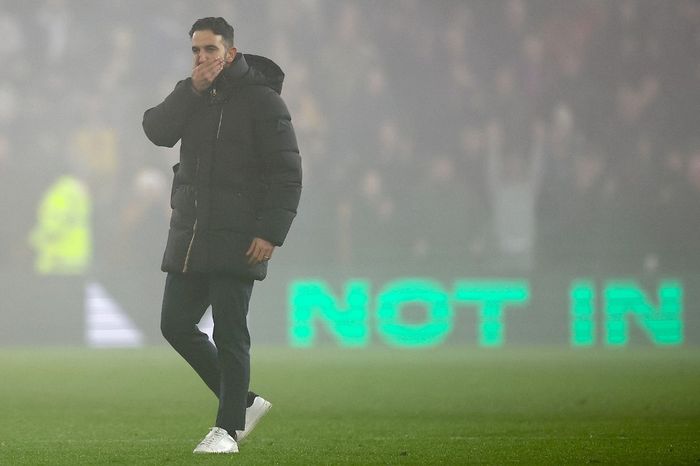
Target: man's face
207, 46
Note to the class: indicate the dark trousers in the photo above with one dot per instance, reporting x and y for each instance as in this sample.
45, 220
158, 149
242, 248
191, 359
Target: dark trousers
225, 368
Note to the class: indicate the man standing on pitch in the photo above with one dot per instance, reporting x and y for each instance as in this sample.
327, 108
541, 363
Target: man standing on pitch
235, 193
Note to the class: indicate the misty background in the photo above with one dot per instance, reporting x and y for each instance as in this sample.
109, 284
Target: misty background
521, 138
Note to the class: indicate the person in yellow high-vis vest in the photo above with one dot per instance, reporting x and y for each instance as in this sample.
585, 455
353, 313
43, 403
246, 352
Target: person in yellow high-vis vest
62, 237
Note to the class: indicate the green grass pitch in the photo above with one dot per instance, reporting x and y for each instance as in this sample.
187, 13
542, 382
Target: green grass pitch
331, 406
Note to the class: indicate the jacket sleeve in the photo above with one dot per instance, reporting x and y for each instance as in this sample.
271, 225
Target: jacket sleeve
164, 123
277, 145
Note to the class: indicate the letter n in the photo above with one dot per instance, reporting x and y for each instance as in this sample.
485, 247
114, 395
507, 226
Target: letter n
309, 300
663, 324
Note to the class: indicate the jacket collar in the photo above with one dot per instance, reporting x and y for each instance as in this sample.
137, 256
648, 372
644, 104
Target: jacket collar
238, 69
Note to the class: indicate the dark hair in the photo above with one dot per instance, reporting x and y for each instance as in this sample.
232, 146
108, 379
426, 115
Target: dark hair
218, 26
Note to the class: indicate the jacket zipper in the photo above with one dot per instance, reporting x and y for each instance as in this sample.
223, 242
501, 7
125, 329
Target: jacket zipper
185, 267
194, 227
218, 129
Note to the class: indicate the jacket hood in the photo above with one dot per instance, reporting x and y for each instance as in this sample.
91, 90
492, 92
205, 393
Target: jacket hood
255, 70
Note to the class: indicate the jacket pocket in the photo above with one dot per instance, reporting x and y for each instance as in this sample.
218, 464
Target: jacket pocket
232, 210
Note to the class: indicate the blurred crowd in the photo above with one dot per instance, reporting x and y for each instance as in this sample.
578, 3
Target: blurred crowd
502, 136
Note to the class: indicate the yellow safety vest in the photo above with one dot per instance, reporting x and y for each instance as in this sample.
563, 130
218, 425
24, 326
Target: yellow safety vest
62, 237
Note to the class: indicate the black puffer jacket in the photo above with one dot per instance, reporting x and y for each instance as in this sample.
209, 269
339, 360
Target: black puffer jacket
239, 175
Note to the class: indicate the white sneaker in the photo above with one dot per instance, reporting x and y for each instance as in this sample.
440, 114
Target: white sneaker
253, 414
217, 441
